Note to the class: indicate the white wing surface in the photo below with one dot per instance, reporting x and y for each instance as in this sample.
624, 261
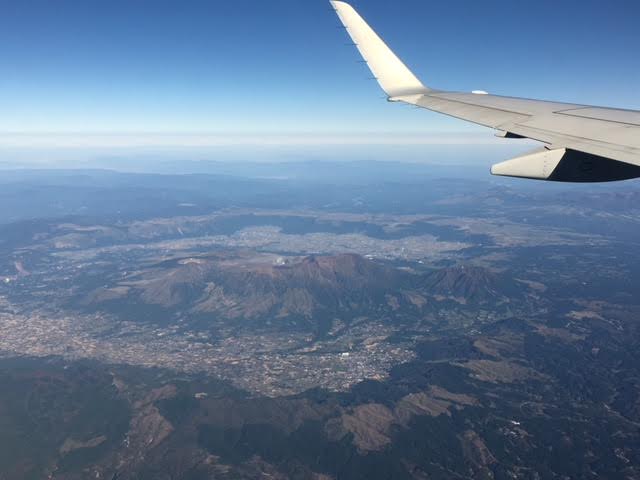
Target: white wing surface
582, 143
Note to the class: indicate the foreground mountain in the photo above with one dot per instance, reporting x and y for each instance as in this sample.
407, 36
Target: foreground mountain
252, 289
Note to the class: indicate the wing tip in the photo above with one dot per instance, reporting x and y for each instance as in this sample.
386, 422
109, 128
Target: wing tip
393, 76
339, 5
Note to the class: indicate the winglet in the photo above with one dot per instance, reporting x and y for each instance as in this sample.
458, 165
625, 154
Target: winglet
393, 76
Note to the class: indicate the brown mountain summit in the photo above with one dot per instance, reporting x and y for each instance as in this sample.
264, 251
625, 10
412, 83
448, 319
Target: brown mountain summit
266, 286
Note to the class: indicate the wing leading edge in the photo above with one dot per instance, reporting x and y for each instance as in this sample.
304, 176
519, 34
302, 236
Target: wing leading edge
582, 143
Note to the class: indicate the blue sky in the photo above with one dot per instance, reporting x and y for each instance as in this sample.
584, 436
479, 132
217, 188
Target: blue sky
270, 71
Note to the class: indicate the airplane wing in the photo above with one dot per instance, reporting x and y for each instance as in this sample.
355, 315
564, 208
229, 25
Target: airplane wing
582, 143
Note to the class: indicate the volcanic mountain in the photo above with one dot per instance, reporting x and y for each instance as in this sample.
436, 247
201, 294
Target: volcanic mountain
258, 287
468, 283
